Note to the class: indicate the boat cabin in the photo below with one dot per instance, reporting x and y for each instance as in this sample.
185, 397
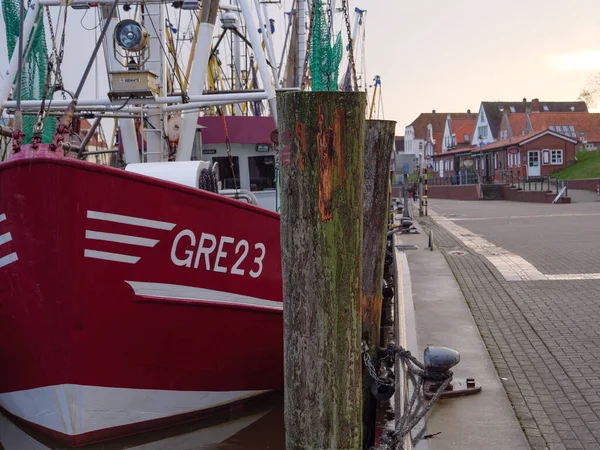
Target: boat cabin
252, 154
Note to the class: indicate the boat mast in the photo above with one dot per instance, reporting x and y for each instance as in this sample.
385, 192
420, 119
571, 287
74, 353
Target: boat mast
267, 38
301, 41
31, 19
237, 58
154, 19
129, 140
263, 68
197, 77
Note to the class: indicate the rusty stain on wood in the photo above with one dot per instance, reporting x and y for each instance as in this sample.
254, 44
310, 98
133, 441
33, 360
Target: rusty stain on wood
301, 136
325, 151
339, 144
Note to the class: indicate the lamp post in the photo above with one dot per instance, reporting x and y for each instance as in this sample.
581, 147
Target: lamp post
481, 172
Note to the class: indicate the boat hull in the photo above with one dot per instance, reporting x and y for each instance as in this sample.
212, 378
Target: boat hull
117, 286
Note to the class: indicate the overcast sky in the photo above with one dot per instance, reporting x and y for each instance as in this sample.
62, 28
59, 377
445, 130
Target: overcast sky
451, 55
444, 55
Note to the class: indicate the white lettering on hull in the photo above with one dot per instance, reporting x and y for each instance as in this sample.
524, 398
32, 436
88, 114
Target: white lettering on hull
191, 249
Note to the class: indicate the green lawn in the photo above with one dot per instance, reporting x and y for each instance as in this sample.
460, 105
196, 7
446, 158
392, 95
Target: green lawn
587, 166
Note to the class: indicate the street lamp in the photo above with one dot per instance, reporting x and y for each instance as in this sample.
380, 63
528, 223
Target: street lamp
481, 156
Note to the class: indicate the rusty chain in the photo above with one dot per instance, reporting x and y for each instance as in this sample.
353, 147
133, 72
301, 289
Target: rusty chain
350, 46
308, 45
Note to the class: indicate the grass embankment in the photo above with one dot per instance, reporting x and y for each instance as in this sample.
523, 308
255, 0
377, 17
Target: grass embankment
587, 166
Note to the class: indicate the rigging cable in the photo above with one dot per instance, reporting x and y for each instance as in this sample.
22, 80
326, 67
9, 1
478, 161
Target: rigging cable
228, 146
164, 50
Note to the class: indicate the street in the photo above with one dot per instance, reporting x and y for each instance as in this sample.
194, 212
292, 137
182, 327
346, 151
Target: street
530, 274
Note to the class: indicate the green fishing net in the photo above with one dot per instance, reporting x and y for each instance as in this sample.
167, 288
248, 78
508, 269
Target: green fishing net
34, 66
324, 59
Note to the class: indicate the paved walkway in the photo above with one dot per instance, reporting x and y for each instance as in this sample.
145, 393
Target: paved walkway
543, 334
436, 314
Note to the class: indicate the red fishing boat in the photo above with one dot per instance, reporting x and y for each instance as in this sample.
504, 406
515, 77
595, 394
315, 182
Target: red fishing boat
128, 302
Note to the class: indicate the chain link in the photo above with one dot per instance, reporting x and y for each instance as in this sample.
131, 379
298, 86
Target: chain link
412, 415
350, 46
308, 45
330, 25
58, 54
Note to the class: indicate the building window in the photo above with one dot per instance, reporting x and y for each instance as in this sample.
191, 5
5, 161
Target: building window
262, 172
226, 175
482, 131
466, 138
504, 134
566, 130
512, 109
556, 157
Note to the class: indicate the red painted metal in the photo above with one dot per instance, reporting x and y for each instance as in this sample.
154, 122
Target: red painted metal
68, 319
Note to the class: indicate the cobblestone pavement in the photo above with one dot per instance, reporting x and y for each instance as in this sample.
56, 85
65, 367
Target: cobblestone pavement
554, 238
543, 336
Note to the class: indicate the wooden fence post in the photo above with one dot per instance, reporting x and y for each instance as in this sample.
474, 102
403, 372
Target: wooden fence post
379, 143
321, 137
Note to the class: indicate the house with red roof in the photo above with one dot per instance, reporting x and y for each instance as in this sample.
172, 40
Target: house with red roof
490, 115
534, 155
424, 136
458, 133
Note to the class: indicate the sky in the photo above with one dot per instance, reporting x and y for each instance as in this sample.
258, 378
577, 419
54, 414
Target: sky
434, 54
450, 56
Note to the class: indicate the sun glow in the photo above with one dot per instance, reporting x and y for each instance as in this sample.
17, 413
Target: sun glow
586, 60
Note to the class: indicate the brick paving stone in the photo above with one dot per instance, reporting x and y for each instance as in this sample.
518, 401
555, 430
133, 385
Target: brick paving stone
543, 336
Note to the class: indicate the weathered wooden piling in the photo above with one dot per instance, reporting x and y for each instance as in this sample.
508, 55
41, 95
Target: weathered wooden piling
321, 136
379, 143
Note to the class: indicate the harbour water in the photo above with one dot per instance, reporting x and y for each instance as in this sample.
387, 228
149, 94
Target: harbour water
256, 426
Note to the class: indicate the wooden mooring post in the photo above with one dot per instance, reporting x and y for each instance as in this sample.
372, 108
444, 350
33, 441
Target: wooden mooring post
321, 138
379, 143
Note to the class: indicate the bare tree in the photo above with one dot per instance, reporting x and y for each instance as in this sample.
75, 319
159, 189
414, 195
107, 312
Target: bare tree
591, 91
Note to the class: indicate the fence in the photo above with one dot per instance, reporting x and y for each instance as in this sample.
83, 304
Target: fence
545, 183
455, 179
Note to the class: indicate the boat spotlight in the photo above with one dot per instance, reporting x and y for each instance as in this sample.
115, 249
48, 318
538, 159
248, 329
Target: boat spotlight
131, 35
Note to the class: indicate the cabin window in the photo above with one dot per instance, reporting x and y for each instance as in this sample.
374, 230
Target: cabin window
226, 175
556, 157
262, 172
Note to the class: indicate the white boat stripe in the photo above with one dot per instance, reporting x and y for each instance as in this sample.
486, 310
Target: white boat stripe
191, 293
120, 238
4, 238
2, 217
130, 220
96, 408
8, 259
111, 256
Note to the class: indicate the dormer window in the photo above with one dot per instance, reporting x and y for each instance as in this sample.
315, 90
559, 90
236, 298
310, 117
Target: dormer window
504, 134
466, 138
512, 109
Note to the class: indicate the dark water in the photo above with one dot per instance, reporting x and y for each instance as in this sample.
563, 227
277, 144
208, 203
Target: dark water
258, 425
